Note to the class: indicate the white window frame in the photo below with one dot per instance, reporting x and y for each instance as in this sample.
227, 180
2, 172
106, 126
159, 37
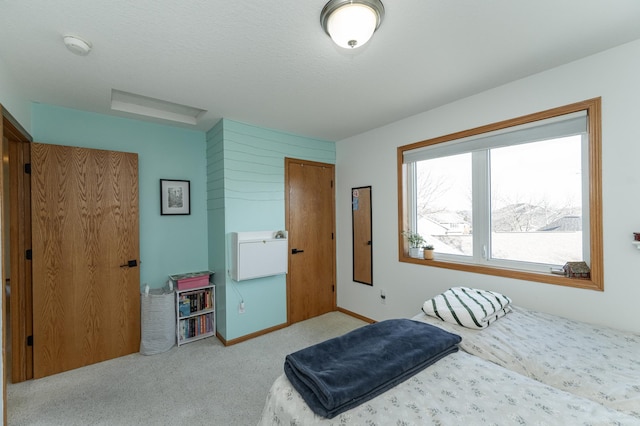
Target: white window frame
478, 141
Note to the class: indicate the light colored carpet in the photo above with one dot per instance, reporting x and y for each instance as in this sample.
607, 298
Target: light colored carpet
201, 383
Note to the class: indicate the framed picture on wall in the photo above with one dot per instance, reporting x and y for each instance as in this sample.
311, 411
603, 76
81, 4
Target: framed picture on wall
175, 197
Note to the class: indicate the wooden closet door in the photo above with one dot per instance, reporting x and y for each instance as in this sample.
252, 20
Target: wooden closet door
310, 221
86, 306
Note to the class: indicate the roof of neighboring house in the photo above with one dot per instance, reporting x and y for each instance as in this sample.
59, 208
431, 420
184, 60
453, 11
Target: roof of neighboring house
564, 224
446, 217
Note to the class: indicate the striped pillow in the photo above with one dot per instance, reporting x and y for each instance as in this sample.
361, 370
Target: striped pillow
468, 307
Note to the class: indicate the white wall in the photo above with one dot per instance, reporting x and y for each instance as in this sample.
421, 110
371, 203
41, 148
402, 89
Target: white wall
370, 159
12, 99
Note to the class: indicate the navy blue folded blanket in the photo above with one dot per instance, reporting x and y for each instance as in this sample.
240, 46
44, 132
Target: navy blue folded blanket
341, 373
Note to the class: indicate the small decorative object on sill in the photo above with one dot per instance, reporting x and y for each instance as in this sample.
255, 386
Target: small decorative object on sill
636, 236
577, 270
415, 241
415, 252
428, 252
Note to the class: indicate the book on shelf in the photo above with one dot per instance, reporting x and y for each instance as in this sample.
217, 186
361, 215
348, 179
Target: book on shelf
196, 326
196, 301
184, 307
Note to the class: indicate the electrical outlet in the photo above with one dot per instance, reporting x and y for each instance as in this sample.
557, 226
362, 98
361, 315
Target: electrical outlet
241, 308
383, 297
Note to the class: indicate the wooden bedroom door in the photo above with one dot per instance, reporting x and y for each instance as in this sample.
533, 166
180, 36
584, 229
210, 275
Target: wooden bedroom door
310, 220
86, 299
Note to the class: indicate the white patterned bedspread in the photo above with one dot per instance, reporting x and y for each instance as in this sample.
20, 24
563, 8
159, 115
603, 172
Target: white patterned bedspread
598, 363
459, 389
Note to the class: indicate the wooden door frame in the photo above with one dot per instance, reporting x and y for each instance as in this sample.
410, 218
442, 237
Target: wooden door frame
20, 303
287, 162
10, 128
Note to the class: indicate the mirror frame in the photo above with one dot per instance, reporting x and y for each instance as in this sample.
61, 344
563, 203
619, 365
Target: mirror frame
362, 229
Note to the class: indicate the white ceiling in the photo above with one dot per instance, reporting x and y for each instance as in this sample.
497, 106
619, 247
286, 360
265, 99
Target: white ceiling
270, 63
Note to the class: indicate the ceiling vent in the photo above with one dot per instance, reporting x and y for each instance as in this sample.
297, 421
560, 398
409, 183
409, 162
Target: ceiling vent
156, 108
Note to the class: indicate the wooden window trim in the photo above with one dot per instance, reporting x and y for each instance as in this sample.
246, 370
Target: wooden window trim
596, 282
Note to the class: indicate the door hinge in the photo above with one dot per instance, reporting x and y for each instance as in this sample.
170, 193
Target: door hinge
29, 340
332, 184
332, 235
27, 168
28, 254
333, 288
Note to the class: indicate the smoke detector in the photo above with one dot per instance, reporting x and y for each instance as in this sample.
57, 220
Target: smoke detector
77, 45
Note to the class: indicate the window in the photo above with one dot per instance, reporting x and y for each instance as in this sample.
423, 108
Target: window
518, 198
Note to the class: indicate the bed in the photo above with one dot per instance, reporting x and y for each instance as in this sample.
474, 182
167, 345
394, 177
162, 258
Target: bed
515, 366
594, 362
460, 389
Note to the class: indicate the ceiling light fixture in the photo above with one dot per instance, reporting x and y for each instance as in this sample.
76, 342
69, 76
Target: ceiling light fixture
351, 23
77, 45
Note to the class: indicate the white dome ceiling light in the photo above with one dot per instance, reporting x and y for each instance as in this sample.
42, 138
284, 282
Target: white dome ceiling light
351, 23
77, 45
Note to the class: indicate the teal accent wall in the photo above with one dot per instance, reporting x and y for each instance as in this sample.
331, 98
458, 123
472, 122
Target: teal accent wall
245, 187
237, 185
215, 218
168, 244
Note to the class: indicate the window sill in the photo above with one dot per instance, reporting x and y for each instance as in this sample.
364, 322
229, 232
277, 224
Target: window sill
547, 278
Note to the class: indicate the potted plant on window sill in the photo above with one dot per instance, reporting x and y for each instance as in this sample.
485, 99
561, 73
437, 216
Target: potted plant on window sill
415, 241
428, 252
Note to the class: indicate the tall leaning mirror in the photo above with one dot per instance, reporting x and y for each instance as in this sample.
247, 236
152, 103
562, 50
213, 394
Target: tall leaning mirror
362, 243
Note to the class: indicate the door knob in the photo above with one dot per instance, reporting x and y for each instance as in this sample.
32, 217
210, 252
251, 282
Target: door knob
130, 264
296, 251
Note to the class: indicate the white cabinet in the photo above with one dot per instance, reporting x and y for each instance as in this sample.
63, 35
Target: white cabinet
258, 254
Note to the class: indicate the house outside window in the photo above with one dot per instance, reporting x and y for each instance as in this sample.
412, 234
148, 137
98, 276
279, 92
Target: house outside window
519, 198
